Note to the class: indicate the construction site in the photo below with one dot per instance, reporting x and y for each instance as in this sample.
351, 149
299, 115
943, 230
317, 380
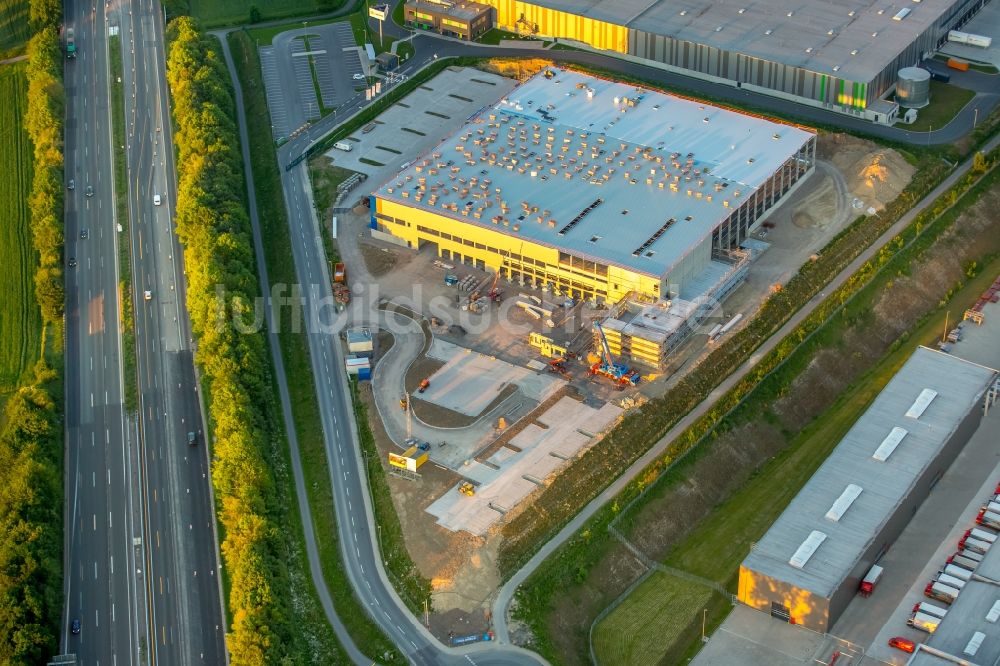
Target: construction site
496, 377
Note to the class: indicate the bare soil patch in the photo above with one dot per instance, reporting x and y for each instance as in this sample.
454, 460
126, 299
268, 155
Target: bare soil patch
874, 175
379, 260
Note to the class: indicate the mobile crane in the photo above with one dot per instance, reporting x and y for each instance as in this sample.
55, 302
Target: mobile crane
619, 373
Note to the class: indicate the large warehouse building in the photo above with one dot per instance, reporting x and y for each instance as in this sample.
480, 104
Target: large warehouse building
843, 55
596, 189
808, 566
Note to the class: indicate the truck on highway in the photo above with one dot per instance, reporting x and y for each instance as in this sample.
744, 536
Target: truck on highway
344, 146
70, 43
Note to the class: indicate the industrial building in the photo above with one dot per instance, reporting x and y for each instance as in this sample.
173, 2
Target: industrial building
808, 566
464, 20
843, 56
596, 189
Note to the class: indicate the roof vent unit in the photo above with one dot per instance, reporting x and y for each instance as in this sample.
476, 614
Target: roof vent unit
902, 14
844, 502
889, 444
807, 549
921, 404
741, 10
854, 52
768, 31
994, 613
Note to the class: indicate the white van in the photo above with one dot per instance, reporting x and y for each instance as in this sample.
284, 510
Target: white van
344, 146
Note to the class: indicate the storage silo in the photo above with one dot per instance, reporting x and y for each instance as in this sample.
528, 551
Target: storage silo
913, 90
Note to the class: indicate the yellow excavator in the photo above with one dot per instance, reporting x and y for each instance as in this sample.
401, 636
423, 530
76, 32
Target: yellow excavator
467, 489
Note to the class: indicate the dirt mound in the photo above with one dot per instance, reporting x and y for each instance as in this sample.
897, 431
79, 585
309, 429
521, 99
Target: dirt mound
874, 175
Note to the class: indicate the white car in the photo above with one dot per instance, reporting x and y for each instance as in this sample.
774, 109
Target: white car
156, 199
358, 77
148, 295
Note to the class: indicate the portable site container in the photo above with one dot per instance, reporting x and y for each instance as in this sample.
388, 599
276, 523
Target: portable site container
941, 592
958, 572
924, 622
930, 609
951, 581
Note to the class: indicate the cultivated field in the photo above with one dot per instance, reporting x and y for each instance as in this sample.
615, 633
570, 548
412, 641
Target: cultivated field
14, 31
20, 319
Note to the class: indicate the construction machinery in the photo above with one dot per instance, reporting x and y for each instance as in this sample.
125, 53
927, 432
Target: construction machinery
619, 373
494, 293
424, 385
404, 402
558, 365
467, 489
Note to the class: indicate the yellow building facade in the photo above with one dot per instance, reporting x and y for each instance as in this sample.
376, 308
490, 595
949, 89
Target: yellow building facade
517, 259
520, 17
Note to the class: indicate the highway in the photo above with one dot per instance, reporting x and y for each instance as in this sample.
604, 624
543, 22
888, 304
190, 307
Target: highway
141, 561
101, 467
181, 556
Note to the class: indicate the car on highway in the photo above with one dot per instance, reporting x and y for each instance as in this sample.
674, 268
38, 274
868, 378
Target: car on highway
90, 191
904, 644
358, 77
74, 626
156, 199
85, 233
192, 438
71, 185
148, 295
72, 262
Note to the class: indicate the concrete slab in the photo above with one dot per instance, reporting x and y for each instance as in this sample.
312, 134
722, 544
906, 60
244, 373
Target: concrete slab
751, 638
520, 473
468, 382
979, 342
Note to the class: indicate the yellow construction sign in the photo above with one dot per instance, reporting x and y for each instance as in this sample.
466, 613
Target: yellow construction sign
411, 459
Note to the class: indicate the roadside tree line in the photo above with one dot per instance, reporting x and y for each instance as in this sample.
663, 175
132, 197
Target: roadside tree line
31, 441
212, 225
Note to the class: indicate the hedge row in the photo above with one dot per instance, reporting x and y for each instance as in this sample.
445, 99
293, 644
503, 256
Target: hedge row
213, 227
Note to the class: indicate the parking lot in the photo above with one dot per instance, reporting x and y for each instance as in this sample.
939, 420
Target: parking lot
288, 65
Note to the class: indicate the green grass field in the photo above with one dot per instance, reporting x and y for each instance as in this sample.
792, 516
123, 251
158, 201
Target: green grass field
20, 318
637, 631
745, 517
946, 101
14, 32
237, 12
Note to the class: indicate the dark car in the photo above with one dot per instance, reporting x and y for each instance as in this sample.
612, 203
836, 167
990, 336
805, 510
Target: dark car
84, 233
192, 438
90, 191
904, 644
74, 626
72, 262
71, 185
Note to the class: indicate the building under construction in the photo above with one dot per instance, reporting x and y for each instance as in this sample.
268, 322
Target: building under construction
596, 189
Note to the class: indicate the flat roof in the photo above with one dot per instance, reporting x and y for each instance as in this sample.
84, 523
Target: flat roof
851, 519
860, 37
966, 616
656, 322
461, 9
608, 171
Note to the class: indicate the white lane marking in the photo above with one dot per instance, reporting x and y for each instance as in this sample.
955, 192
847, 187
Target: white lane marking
109, 476
109, 520
112, 565
93, 479
95, 569
95, 522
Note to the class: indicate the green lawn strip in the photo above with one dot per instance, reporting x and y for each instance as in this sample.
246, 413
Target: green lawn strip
20, 316
405, 50
496, 35
413, 588
131, 387
748, 513
655, 615
295, 352
946, 101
